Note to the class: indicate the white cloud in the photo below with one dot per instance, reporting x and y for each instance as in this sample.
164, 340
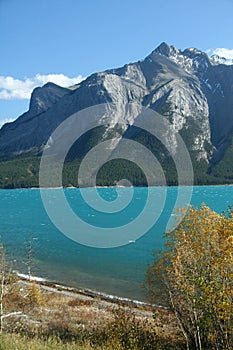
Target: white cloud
11, 88
221, 52
7, 120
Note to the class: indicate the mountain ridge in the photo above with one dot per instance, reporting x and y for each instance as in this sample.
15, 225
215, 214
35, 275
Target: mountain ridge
191, 90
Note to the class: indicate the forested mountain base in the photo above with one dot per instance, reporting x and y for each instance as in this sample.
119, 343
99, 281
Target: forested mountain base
23, 172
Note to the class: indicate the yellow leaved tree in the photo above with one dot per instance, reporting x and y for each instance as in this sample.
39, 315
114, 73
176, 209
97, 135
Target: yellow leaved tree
194, 273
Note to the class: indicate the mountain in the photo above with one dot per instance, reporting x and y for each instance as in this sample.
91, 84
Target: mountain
191, 90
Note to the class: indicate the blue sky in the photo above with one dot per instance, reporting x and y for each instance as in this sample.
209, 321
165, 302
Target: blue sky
65, 40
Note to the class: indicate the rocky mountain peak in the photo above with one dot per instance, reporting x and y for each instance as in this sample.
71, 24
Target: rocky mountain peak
166, 50
191, 60
44, 97
192, 52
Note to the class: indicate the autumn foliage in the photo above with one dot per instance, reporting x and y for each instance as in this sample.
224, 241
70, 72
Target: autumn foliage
194, 274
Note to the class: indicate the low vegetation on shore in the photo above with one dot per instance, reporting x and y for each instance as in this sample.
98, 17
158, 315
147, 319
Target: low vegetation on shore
42, 317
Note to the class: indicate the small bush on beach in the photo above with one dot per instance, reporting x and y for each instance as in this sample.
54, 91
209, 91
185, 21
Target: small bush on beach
131, 331
80, 302
35, 296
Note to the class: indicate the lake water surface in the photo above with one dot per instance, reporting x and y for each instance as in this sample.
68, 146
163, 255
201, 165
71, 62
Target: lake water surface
118, 271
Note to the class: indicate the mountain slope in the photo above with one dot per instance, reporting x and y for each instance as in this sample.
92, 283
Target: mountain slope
192, 91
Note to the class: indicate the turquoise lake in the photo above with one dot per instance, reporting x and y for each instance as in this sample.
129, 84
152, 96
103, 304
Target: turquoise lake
118, 271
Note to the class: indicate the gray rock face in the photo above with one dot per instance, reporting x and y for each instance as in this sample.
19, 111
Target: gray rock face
192, 91
43, 98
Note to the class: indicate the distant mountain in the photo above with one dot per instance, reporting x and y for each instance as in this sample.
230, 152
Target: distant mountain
192, 91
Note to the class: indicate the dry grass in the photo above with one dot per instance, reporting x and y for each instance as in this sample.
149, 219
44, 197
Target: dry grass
18, 342
53, 320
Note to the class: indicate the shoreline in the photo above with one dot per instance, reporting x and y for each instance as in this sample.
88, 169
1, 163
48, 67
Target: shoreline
106, 187
85, 292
